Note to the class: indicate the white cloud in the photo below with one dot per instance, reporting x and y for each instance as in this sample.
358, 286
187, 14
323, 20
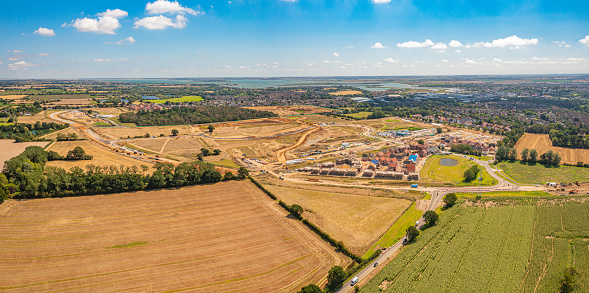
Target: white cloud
17, 51
44, 54
513, 42
381, 1
445, 61
44, 32
127, 40
390, 59
21, 65
325, 61
458, 51
469, 61
164, 6
539, 59
348, 47
101, 60
414, 44
585, 41
455, 44
378, 45
561, 44
161, 22
439, 46
497, 60
575, 60
106, 23
335, 54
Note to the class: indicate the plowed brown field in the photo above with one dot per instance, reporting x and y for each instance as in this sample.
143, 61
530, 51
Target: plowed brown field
542, 143
193, 239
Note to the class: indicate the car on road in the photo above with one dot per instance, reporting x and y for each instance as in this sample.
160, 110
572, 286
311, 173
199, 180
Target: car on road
354, 281
404, 241
375, 264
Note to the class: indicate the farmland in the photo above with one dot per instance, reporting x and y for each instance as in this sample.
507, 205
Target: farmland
540, 174
521, 248
102, 156
432, 171
359, 115
179, 100
356, 218
345, 93
542, 143
12, 149
191, 239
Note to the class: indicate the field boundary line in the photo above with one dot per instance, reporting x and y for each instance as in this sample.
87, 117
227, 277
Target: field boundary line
531, 249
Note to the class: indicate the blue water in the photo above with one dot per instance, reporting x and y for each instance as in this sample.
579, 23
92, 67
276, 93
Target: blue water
150, 97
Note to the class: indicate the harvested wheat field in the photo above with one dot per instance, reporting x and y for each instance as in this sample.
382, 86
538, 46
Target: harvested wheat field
124, 132
12, 149
345, 93
101, 156
356, 217
542, 143
194, 239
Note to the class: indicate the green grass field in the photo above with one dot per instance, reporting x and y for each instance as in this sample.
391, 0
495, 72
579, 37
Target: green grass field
225, 163
179, 100
397, 230
539, 174
359, 115
433, 171
521, 248
101, 123
505, 194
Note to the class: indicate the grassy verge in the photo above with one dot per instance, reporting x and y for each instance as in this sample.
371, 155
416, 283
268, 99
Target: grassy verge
359, 115
505, 194
225, 163
540, 174
432, 170
397, 230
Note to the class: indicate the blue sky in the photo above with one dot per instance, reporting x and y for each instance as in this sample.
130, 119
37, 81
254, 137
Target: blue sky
161, 38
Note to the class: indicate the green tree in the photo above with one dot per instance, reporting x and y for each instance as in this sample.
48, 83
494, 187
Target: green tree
175, 132
229, 176
335, 277
296, 210
533, 156
524, 155
502, 153
450, 199
147, 134
411, 233
469, 175
216, 152
567, 284
420, 141
512, 154
439, 130
211, 128
556, 159
243, 173
205, 152
431, 218
311, 288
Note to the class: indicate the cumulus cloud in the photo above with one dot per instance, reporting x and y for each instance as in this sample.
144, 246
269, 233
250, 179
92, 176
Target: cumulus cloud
445, 61
439, 46
414, 44
44, 32
164, 6
16, 51
455, 44
513, 42
335, 54
469, 61
381, 1
44, 54
348, 47
561, 44
127, 40
101, 60
378, 45
390, 59
21, 65
161, 22
585, 41
106, 23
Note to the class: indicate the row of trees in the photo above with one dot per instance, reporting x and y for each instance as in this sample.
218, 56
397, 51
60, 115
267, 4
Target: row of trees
192, 115
528, 155
22, 132
28, 177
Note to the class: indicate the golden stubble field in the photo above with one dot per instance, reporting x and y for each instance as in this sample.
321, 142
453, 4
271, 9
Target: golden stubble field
195, 239
358, 217
101, 155
10, 149
542, 144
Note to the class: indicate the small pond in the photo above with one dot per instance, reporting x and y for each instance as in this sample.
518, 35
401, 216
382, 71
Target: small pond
448, 162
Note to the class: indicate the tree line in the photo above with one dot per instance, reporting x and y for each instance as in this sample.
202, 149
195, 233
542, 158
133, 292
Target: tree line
528, 156
192, 115
27, 176
22, 132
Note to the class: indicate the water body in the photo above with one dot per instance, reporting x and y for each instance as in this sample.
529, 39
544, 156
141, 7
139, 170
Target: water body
448, 162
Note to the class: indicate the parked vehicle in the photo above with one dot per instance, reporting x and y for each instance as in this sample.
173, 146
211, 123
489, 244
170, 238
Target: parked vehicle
354, 281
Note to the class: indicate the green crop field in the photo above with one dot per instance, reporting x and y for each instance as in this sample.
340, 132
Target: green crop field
359, 115
540, 174
506, 194
179, 100
432, 171
520, 248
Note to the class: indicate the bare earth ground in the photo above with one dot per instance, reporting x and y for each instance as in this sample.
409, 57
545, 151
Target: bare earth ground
66, 131
123, 132
193, 239
32, 119
10, 149
356, 217
542, 143
102, 156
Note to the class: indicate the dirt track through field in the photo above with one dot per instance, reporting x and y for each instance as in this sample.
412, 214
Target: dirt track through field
281, 154
193, 239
